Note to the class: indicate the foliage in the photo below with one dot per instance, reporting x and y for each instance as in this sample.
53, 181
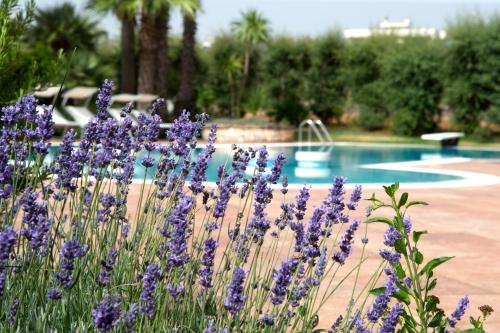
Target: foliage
22, 67
286, 65
326, 91
473, 68
413, 81
75, 256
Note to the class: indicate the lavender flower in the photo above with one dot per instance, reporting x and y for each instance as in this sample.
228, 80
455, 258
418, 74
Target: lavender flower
70, 250
8, 240
267, 319
235, 292
282, 279
382, 300
36, 223
457, 314
391, 320
262, 159
336, 324
392, 257
175, 290
199, 171
346, 244
207, 261
107, 314
355, 197
12, 312
311, 249
391, 236
284, 183
149, 282
301, 203
107, 267
104, 97
279, 162
407, 225
178, 218
320, 267
54, 293
131, 317
334, 203
259, 223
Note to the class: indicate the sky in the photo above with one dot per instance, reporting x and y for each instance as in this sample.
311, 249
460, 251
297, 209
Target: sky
313, 17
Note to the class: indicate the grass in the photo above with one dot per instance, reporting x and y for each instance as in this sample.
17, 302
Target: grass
356, 134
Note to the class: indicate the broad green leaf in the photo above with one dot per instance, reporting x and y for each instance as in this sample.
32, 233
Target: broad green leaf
400, 246
472, 330
379, 219
431, 303
417, 234
403, 199
402, 296
429, 267
418, 257
432, 285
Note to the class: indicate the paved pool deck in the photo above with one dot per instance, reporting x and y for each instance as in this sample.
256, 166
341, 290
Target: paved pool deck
462, 222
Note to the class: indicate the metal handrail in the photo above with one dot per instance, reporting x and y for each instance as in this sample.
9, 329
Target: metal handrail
312, 126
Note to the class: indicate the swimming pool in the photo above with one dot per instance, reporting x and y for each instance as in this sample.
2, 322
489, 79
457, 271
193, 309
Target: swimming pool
361, 164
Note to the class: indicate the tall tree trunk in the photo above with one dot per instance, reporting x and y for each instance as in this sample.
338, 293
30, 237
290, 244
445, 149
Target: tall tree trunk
147, 54
244, 77
161, 27
128, 62
185, 95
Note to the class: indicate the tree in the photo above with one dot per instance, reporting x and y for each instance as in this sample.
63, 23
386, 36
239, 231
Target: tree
153, 48
185, 96
251, 29
63, 28
125, 11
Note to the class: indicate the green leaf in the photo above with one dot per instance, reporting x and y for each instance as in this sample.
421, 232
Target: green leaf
377, 291
402, 296
436, 320
417, 234
418, 257
432, 285
431, 303
388, 190
472, 330
403, 199
400, 246
413, 203
400, 271
379, 219
429, 267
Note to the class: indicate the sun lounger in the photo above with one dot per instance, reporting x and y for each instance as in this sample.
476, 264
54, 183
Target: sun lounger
81, 114
57, 117
447, 139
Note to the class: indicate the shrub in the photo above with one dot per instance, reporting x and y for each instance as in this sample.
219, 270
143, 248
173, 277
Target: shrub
74, 256
472, 68
325, 89
286, 65
411, 76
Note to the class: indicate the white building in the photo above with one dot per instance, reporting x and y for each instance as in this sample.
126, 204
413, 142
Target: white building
398, 28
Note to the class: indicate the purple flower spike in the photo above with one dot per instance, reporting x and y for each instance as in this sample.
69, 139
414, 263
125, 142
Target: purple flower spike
282, 279
104, 97
391, 236
149, 282
199, 171
456, 315
279, 162
391, 320
207, 261
107, 313
301, 203
392, 257
355, 197
346, 244
235, 292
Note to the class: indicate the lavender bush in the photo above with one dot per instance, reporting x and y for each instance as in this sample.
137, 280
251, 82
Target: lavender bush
76, 256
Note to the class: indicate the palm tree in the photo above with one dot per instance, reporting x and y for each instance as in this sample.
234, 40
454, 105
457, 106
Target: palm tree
62, 28
125, 10
251, 29
185, 95
153, 46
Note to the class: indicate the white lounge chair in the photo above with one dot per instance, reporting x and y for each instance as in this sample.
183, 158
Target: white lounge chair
58, 119
447, 139
81, 114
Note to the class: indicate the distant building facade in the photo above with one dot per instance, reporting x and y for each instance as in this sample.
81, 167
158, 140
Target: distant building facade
397, 28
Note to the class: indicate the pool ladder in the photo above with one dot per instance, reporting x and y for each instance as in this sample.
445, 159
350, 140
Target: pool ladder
319, 130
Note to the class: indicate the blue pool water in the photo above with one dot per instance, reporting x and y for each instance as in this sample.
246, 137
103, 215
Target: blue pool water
348, 161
